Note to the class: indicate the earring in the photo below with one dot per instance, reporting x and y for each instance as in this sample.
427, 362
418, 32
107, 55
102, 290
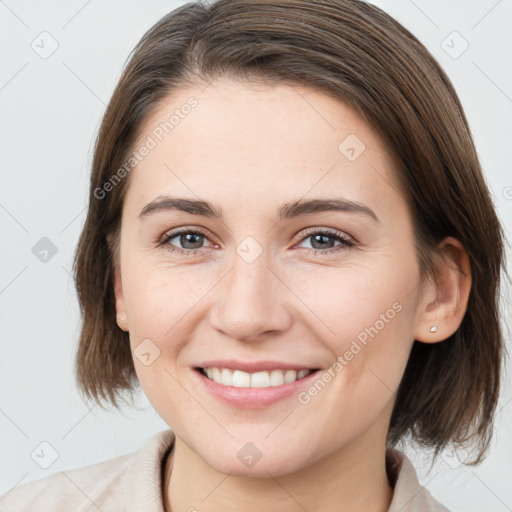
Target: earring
434, 327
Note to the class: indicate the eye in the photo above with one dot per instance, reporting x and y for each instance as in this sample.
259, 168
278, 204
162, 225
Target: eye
322, 240
190, 239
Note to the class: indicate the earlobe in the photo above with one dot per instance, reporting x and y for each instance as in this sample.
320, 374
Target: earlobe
445, 300
121, 318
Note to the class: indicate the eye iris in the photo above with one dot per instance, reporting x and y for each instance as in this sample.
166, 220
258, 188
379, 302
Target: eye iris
323, 237
184, 240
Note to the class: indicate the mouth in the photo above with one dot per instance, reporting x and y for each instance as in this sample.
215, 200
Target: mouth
252, 391
228, 377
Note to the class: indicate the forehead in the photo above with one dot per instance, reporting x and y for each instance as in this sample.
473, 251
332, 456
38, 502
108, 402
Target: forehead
240, 137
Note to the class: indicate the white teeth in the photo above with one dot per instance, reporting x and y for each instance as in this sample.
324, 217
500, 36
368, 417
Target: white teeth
258, 379
276, 378
240, 379
228, 377
302, 373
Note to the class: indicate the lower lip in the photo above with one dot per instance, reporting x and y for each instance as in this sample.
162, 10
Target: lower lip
253, 398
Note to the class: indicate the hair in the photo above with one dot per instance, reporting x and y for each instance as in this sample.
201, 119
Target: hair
360, 55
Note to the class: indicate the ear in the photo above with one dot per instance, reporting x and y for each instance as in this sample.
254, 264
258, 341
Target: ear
121, 317
445, 300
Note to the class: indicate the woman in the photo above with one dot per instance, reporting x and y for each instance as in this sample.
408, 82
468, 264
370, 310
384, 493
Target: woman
291, 247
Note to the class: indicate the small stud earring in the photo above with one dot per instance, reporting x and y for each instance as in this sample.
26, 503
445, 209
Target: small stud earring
434, 327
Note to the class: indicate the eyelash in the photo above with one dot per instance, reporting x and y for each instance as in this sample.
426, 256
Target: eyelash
346, 242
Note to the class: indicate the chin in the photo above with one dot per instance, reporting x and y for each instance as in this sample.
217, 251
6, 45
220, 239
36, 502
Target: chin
249, 461
261, 469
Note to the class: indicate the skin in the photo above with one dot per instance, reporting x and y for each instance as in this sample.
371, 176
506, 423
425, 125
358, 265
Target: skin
248, 149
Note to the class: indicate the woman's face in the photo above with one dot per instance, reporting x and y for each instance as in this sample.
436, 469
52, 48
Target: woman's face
250, 286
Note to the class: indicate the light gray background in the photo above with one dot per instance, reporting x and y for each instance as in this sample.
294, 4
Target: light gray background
50, 113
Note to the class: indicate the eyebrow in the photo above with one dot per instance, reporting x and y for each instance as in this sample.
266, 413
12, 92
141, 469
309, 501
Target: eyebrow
287, 210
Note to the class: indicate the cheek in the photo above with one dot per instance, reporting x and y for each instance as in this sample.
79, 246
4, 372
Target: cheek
165, 308
367, 327
364, 316
158, 295
346, 300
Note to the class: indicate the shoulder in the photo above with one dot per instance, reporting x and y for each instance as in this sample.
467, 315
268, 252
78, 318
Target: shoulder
106, 485
98, 484
408, 494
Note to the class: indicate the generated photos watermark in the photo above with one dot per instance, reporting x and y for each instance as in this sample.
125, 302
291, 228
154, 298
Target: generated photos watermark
143, 150
357, 345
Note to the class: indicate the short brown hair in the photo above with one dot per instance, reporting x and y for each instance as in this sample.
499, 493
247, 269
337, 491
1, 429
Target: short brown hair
362, 56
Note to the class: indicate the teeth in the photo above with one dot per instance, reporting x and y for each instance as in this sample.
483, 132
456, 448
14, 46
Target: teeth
240, 379
302, 373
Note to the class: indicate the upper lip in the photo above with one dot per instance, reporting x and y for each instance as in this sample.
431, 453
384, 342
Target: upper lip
252, 367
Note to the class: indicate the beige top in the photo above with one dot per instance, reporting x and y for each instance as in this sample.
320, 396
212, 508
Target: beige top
134, 483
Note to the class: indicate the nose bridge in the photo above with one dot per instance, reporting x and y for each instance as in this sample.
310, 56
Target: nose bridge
249, 301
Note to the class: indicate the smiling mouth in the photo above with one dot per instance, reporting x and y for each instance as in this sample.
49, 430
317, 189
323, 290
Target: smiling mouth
263, 379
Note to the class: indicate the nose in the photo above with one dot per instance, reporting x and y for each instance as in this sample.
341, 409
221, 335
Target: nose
251, 301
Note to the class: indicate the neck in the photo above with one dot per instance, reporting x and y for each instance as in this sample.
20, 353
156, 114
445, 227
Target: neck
351, 479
